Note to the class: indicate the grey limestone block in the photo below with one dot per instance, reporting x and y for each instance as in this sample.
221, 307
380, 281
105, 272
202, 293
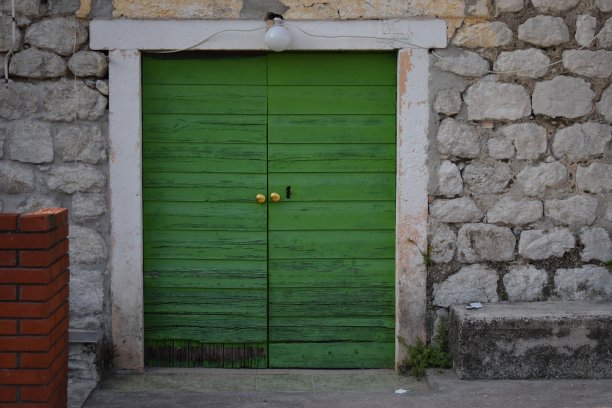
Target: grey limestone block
563, 96
544, 31
480, 35
532, 340
485, 242
473, 283
589, 282
37, 64
545, 244
62, 35
495, 100
525, 283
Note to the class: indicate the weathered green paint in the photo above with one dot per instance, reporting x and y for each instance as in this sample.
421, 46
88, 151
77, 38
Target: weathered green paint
334, 354
306, 282
205, 239
332, 69
331, 129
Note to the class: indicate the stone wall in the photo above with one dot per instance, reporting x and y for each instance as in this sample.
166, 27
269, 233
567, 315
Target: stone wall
521, 176
521, 189
53, 147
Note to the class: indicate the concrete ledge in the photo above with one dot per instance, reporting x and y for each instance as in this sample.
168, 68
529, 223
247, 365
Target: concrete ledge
532, 340
84, 336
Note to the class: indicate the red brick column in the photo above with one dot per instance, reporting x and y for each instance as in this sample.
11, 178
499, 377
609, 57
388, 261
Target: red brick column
34, 309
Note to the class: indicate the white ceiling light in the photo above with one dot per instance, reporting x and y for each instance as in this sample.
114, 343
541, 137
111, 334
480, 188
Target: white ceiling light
278, 37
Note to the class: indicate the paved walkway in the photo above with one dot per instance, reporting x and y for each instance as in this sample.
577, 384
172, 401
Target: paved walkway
171, 388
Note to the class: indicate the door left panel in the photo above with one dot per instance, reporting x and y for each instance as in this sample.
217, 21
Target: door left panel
205, 249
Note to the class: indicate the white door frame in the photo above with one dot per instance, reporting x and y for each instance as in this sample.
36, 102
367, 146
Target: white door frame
125, 39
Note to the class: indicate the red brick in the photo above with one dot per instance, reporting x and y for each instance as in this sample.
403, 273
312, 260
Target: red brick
8, 292
43, 220
44, 392
8, 258
30, 275
59, 331
44, 292
25, 343
44, 326
8, 327
20, 376
43, 258
8, 360
54, 403
34, 310
8, 222
8, 393
34, 240
44, 360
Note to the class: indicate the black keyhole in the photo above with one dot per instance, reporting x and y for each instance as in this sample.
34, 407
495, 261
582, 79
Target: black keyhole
288, 192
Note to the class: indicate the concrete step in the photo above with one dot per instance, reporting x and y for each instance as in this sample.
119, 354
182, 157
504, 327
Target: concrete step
532, 340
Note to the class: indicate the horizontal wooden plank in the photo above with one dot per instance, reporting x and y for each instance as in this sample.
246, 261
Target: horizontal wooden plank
199, 68
312, 187
300, 216
204, 158
226, 187
352, 100
331, 128
332, 69
331, 244
323, 158
177, 128
200, 320
205, 99
215, 274
324, 329
295, 273
330, 297
332, 355
205, 329
378, 308
197, 301
204, 216
382, 322
203, 332
161, 244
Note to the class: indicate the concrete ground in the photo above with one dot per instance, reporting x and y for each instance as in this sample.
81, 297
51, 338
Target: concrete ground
170, 388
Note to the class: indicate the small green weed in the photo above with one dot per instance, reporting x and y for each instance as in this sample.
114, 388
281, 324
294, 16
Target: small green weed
422, 356
426, 255
503, 295
609, 265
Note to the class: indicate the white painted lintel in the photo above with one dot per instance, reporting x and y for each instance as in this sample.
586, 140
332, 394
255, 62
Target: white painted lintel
248, 35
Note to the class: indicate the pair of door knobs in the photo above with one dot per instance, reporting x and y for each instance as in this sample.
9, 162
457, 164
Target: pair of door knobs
274, 197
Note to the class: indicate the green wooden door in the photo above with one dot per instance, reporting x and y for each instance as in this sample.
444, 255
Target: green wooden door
305, 282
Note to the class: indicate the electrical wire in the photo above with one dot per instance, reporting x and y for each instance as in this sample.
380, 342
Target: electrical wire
210, 37
10, 52
395, 40
604, 29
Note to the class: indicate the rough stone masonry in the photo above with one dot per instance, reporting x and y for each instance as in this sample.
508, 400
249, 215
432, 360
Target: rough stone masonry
520, 160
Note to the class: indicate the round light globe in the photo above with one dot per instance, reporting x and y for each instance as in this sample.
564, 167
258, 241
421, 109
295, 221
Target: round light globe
278, 37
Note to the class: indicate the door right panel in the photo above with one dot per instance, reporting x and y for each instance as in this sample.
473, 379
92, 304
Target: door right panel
331, 157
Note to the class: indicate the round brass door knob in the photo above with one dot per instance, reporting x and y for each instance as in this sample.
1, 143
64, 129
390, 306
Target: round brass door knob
260, 198
275, 197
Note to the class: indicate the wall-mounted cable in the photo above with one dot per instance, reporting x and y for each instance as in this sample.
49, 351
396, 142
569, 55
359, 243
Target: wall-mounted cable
391, 40
8, 56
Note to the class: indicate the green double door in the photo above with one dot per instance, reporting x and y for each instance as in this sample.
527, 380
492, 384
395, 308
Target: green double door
308, 281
